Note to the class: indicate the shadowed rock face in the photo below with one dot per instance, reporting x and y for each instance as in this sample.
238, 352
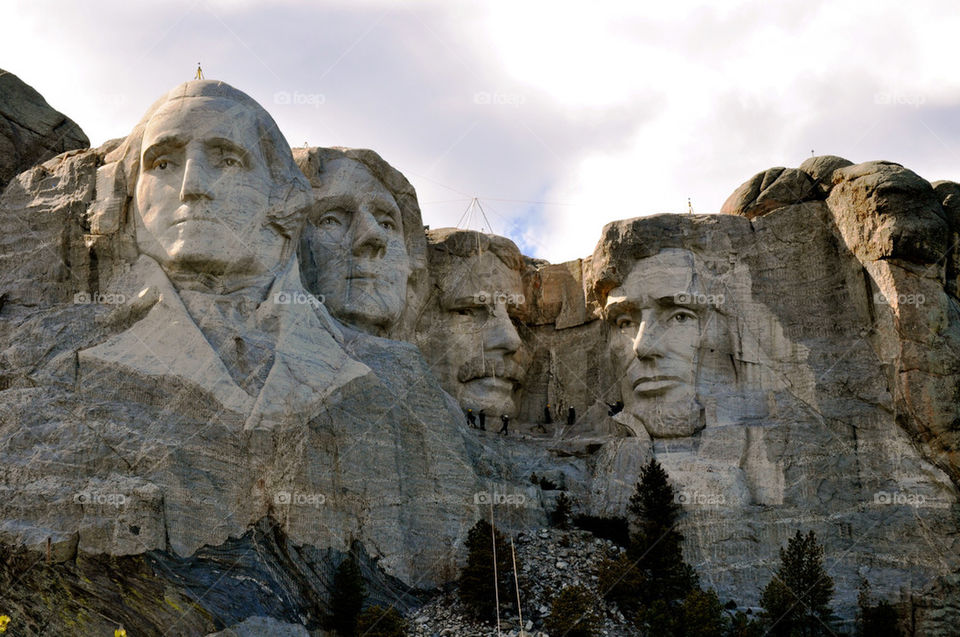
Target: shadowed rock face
181, 415
31, 131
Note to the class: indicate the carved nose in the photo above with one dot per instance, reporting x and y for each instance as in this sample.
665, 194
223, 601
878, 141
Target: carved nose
196, 182
501, 335
370, 239
647, 342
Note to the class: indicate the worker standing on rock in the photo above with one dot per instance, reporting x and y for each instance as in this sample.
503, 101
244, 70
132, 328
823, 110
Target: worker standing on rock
505, 419
571, 416
471, 419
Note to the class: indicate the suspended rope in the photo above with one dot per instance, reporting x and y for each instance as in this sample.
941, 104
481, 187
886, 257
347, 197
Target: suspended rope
496, 589
516, 584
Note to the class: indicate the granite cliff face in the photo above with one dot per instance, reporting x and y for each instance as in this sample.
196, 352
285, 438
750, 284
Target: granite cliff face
189, 440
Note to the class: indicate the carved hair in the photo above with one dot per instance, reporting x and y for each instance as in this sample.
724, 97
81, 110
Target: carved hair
446, 244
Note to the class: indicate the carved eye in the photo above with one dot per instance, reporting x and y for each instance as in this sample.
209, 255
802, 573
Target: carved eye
161, 164
232, 162
464, 311
388, 224
625, 322
330, 220
683, 317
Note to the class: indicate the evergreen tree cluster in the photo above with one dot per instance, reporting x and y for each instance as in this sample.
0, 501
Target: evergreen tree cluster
653, 585
656, 589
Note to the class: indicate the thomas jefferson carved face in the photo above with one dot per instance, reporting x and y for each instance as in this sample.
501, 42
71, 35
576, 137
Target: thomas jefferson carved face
203, 190
468, 337
656, 319
355, 238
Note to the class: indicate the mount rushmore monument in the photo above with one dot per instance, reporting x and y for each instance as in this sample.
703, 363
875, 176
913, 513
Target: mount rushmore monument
225, 363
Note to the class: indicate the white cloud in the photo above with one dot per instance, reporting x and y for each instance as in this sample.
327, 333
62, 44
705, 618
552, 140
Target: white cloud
612, 109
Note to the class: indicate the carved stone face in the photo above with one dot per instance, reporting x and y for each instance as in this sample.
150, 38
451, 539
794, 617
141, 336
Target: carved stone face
655, 320
355, 240
203, 190
468, 336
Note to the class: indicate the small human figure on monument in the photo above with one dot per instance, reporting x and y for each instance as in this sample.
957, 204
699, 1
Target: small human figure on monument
505, 419
471, 418
571, 416
547, 418
483, 420
615, 408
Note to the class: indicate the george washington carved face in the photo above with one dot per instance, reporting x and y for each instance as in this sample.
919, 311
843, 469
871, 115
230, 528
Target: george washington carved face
203, 192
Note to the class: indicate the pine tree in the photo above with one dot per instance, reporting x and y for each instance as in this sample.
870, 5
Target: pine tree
560, 517
346, 597
656, 544
797, 599
476, 578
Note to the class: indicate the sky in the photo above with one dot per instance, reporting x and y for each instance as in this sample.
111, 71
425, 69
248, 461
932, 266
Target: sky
556, 117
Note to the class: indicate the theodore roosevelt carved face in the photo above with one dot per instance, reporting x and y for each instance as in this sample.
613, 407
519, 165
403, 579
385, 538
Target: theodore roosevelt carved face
466, 331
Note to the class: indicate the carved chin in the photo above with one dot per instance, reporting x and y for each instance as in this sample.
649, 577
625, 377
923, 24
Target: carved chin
368, 312
495, 395
670, 419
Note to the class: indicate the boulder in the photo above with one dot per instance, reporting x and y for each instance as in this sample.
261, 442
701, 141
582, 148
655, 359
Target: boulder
31, 131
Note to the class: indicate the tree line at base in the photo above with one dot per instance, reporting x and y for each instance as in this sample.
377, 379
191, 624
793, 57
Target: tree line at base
649, 582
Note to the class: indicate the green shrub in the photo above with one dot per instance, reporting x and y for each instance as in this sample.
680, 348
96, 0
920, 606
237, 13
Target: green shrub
702, 614
619, 580
573, 613
377, 621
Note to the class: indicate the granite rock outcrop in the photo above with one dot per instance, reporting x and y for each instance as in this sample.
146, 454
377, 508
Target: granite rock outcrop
191, 442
